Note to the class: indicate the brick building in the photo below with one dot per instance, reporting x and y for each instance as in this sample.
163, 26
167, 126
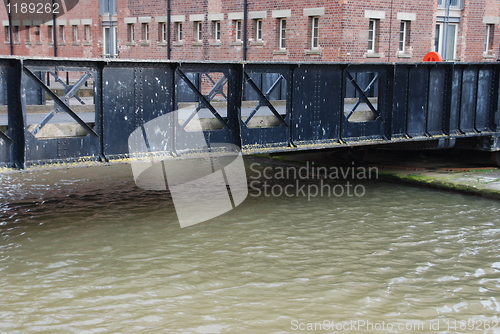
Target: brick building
290, 30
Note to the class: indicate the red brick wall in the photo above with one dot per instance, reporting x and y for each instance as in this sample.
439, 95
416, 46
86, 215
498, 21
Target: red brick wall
343, 31
355, 28
85, 9
473, 31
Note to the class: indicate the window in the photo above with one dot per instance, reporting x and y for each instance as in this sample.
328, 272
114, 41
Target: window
238, 30
28, 34
16, 34
454, 4
314, 32
7, 33
372, 35
199, 31
178, 31
108, 7
38, 34
87, 32
130, 32
216, 30
110, 43
282, 34
488, 39
162, 32
145, 32
447, 47
50, 34
62, 37
404, 36
258, 30
74, 29
437, 38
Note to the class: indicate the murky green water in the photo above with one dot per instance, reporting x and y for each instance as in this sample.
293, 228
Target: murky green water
84, 251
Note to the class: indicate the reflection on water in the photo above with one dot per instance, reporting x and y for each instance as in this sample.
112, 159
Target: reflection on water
84, 250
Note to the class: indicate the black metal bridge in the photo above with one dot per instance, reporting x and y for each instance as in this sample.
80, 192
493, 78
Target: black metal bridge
55, 110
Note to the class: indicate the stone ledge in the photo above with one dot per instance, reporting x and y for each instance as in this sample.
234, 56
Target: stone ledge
280, 52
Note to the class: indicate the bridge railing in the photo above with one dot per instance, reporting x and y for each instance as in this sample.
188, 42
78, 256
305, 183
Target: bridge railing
61, 109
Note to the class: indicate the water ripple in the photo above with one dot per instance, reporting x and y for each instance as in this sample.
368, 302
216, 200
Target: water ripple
82, 257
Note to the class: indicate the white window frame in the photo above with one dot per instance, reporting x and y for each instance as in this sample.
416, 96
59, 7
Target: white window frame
199, 31
145, 32
38, 34
74, 32
178, 32
50, 34
403, 36
238, 26
62, 33
130, 32
216, 33
488, 38
162, 32
7, 33
114, 46
373, 25
282, 34
454, 4
87, 32
259, 24
107, 6
28, 34
16, 34
440, 39
314, 32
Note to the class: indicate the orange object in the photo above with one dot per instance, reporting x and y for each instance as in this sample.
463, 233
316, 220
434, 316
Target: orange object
433, 56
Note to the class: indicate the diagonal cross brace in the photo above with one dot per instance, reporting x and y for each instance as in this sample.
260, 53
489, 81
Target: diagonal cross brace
73, 92
364, 90
6, 138
252, 114
76, 87
203, 99
266, 94
43, 122
215, 84
263, 100
273, 86
59, 102
362, 94
56, 77
217, 88
68, 95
